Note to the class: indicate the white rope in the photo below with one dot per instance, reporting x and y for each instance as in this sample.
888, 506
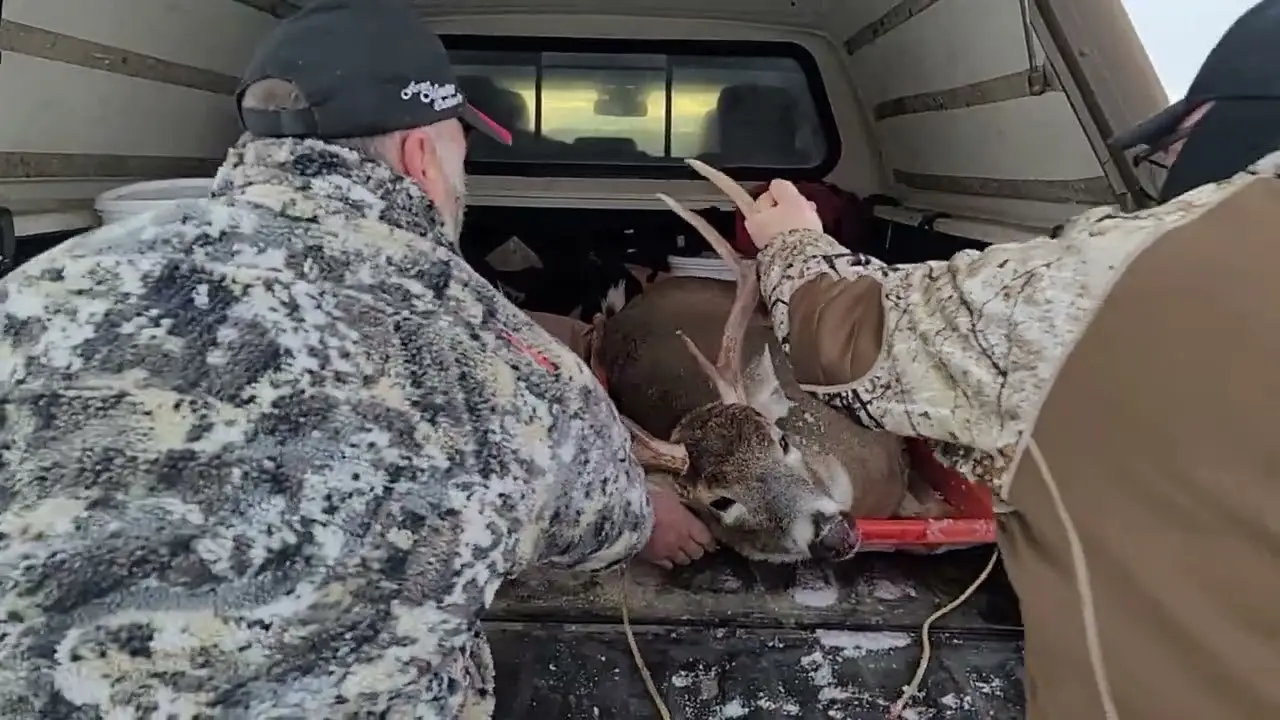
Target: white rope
1084, 587
910, 690
649, 685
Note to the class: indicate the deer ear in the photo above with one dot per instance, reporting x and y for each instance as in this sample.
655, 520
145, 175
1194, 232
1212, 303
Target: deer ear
764, 392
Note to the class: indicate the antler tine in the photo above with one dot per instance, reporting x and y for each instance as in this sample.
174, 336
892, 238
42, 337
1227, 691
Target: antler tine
729, 390
726, 373
708, 233
655, 454
739, 196
650, 452
746, 297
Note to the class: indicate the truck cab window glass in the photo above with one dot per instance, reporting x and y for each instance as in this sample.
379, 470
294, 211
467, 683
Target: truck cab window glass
605, 106
744, 111
612, 108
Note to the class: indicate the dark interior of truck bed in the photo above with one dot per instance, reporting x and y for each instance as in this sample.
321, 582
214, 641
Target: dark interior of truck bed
727, 637
582, 251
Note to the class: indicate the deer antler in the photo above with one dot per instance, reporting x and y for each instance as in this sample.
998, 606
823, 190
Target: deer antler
649, 451
655, 454
736, 193
727, 372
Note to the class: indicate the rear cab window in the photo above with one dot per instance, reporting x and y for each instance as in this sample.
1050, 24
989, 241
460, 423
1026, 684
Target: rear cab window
592, 108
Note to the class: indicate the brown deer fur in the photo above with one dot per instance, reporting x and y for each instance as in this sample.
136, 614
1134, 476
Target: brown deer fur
773, 471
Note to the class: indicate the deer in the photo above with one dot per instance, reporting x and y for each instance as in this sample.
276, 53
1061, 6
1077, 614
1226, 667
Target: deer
776, 474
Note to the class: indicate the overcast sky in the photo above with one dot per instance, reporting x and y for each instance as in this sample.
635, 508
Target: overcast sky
1178, 34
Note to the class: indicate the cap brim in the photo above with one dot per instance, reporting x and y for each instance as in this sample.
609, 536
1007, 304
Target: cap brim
1153, 129
484, 124
1230, 137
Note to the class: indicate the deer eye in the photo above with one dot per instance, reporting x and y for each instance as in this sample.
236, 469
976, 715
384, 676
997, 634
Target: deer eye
723, 504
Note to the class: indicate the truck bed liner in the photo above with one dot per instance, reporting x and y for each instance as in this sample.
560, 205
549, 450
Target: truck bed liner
728, 638
548, 671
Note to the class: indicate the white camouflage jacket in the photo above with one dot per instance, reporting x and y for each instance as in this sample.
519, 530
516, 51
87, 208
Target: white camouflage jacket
271, 455
970, 346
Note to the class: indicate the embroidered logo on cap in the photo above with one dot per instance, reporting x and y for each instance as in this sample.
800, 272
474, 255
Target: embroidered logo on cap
440, 97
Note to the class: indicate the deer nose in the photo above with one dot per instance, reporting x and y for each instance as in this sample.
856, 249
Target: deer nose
834, 537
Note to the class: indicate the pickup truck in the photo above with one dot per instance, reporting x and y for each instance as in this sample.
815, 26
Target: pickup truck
957, 124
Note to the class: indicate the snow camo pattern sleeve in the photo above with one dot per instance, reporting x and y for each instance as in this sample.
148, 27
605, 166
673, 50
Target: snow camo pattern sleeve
964, 349
271, 455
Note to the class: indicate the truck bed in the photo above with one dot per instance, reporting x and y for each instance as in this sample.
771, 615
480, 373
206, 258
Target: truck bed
729, 638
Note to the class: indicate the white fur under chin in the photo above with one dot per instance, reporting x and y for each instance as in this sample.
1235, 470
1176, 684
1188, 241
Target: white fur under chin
803, 532
832, 474
839, 500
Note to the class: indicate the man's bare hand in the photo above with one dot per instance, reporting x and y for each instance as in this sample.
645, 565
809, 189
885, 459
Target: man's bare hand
679, 537
779, 210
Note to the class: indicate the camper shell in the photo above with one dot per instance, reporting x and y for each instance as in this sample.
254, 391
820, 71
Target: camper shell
956, 124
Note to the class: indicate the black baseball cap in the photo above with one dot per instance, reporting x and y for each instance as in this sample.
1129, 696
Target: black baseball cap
364, 67
1244, 65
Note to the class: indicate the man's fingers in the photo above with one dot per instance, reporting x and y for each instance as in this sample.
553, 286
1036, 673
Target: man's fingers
681, 557
659, 559
783, 191
765, 201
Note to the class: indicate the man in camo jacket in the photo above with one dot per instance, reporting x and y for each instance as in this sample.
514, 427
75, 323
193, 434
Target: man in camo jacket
271, 454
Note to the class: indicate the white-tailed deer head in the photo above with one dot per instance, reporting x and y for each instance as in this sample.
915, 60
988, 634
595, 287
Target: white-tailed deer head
757, 492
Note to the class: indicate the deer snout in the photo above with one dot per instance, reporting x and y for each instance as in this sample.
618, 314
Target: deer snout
834, 537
